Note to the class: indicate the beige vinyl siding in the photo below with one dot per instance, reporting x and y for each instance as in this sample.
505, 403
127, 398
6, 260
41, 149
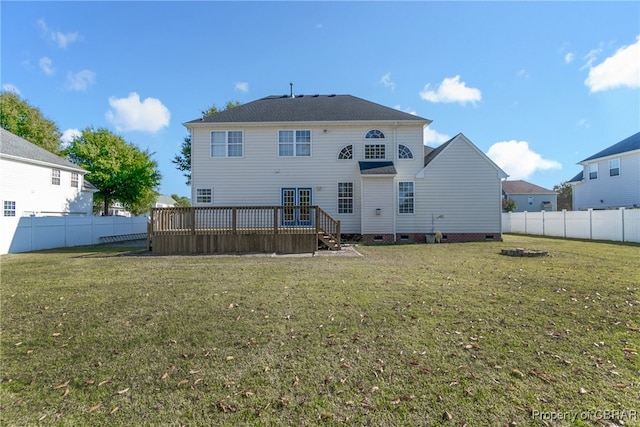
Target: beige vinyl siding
377, 193
461, 185
257, 177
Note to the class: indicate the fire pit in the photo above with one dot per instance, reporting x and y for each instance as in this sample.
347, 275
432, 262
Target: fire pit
521, 252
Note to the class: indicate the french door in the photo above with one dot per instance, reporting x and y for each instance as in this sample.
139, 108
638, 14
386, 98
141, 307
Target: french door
300, 197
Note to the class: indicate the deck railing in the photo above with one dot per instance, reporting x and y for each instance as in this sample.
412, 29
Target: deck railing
243, 220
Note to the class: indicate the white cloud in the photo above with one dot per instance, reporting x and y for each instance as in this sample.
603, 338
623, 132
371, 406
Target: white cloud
386, 81
591, 57
433, 138
569, 57
46, 65
584, 123
8, 87
61, 39
80, 80
242, 87
523, 73
620, 70
406, 110
451, 90
518, 160
129, 114
68, 136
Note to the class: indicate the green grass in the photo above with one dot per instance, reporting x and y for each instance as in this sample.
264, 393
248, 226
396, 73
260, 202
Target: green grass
405, 335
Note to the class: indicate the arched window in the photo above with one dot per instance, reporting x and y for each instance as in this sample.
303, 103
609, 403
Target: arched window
404, 152
374, 134
346, 153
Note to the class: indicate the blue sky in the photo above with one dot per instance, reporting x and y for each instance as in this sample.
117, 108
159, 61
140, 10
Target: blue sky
538, 86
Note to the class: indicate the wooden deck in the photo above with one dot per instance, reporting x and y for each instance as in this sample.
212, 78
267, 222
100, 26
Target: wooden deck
242, 229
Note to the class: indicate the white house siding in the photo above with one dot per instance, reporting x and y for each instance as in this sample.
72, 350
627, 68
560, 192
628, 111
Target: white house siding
610, 191
462, 186
258, 177
29, 185
378, 193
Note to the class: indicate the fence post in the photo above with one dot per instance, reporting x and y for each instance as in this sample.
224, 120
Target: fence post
193, 221
543, 232
622, 222
564, 223
590, 224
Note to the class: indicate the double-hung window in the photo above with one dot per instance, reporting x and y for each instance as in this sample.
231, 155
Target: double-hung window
345, 197
74, 179
614, 167
294, 143
593, 171
405, 197
227, 143
204, 196
9, 208
55, 176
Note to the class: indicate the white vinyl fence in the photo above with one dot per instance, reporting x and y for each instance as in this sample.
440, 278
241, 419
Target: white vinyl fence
622, 225
32, 233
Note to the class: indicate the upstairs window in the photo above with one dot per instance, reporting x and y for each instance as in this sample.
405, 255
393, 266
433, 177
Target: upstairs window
294, 143
614, 167
374, 134
374, 151
55, 176
404, 152
346, 153
593, 171
75, 179
204, 196
227, 143
9, 208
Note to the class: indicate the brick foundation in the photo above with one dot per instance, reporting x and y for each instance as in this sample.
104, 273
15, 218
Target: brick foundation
422, 238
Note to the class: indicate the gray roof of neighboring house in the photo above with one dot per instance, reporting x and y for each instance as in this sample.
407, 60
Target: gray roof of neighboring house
524, 187
628, 144
166, 200
377, 168
18, 147
309, 108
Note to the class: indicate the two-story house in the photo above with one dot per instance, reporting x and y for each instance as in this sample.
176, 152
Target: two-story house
361, 162
34, 181
610, 178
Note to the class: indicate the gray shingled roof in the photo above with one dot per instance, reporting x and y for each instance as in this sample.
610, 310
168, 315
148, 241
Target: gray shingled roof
377, 168
579, 177
629, 144
523, 187
15, 146
309, 108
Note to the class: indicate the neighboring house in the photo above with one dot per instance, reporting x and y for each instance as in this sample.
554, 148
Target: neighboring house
529, 197
610, 178
163, 201
361, 162
34, 181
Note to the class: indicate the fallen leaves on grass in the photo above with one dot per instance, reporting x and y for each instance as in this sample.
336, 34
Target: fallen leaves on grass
63, 385
123, 391
95, 407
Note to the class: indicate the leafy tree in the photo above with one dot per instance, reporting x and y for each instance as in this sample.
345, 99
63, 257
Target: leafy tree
120, 170
181, 200
22, 119
182, 160
565, 195
508, 205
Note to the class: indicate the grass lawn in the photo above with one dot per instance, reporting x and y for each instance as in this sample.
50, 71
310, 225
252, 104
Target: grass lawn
405, 335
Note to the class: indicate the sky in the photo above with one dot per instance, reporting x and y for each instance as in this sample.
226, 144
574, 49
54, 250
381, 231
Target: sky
537, 86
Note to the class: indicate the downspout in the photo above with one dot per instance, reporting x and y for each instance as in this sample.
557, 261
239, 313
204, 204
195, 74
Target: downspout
395, 187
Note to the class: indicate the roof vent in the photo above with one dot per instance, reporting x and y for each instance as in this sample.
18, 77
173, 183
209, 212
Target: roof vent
291, 91
332, 95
